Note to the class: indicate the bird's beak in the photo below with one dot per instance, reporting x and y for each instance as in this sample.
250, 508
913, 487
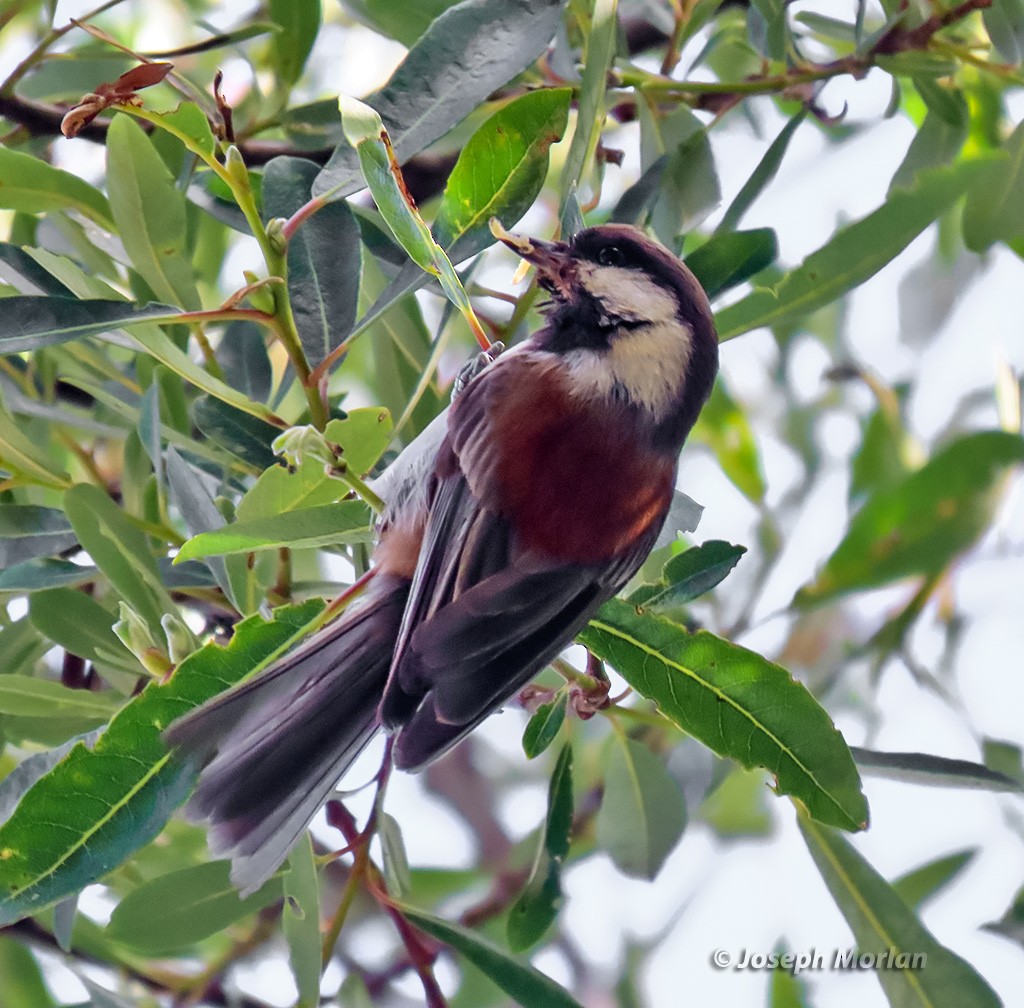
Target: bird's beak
554, 260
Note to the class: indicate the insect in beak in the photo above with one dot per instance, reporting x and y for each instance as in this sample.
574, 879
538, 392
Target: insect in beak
555, 264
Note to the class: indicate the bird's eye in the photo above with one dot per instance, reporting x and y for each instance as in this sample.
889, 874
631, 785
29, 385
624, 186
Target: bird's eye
611, 255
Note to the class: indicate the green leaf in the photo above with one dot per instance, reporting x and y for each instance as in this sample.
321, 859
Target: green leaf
362, 434
854, 254
919, 525
688, 190
692, 573
121, 550
937, 771
471, 50
34, 321
500, 170
325, 525
766, 170
191, 120
301, 921
523, 983
298, 23
244, 435
195, 502
97, 806
1004, 23
728, 259
544, 725
39, 575
33, 186
541, 899
81, 625
24, 986
787, 989
174, 911
642, 812
396, 861
324, 258
995, 203
738, 806
600, 51
937, 142
21, 458
28, 697
149, 212
918, 886
737, 703
28, 531
883, 925
280, 489
724, 428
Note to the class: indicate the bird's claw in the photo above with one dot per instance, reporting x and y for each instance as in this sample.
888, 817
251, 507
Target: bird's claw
475, 367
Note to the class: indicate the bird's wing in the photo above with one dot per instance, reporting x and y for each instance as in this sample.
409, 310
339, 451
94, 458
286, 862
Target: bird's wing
485, 612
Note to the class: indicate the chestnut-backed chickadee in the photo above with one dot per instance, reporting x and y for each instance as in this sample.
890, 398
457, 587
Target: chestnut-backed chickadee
510, 520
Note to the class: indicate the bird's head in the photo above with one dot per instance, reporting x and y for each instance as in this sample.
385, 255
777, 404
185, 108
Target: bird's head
630, 321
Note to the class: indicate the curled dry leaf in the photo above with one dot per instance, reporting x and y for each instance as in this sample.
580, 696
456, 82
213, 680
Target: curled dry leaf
118, 92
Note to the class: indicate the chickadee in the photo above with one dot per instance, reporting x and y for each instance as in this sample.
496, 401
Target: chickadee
510, 521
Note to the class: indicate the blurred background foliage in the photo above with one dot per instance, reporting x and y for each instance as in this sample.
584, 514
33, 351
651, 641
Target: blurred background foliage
862, 468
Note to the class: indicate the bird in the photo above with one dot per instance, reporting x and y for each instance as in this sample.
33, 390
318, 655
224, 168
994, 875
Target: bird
510, 520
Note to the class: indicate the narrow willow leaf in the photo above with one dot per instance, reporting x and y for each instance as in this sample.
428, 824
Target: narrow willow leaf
687, 191
405, 24
728, 259
937, 142
191, 120
29, 530
98, 805
242, 434
601, 41
766, 170
723, 426
918, 886
501, 170
467, 53
23, 272
937, 771
526, 985
34, 321
21, 458
24, 986
694, 572
920, 524
121, 550
854, 254
365, 131
324, 258
995, 203
197, 507
28, 697
541, 899
737, 703
1004, 23
884, 927
643, 814
149, 211
174, 911
544, 725
80, 624
325, 525
38, 575
297, 23
396, 861
33, 186
301, 922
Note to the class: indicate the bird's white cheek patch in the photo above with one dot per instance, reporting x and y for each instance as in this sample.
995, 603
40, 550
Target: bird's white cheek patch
627, 294
646, 365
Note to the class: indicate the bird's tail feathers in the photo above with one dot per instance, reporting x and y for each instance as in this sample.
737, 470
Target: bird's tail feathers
274, 747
